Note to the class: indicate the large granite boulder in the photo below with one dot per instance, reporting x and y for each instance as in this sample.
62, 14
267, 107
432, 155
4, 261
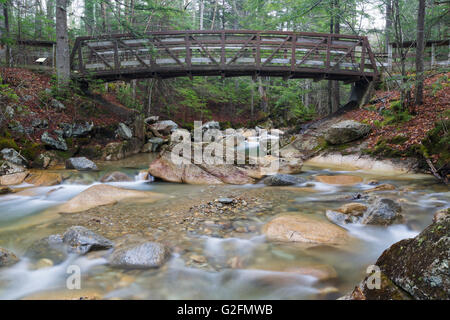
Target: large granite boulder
101, 194
416, 268
346, 131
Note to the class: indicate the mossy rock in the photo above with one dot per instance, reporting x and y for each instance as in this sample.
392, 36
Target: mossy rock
8, 143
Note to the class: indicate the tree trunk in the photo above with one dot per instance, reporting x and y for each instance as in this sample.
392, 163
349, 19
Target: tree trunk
50, 7
104, 17
336, 98
89, 20
202, 11
8, 55
38, 14
420, 51
62, 43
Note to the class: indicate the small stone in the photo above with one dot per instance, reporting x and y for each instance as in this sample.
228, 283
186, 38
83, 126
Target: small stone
354, 209
381, 187
198, 259
43, 263
7, 258
55, 104
225, 200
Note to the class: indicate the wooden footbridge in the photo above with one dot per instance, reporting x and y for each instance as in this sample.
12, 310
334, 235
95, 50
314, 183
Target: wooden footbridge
227, 53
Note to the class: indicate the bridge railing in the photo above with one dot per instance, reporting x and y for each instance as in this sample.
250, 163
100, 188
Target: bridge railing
228, 53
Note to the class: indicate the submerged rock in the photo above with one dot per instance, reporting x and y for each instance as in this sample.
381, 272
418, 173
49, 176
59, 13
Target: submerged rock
81, 240
416, 268
7, 258
101, 194
44, 178
80, 163
115, 176
381, 187
340, 180
283, 180
298, 228
51, 247
139, 256
346, 131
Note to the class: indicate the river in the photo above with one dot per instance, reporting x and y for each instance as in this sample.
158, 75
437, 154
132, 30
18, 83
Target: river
215, 255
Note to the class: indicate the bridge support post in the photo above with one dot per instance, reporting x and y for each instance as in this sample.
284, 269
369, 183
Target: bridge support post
360, 94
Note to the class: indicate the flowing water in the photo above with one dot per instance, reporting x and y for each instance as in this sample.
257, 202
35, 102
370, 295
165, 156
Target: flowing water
214, 255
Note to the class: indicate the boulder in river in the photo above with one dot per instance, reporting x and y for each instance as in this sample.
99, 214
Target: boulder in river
299, 228
51, 247
115, 176
13, 179
283, 180
383, 212
380, 212
7, 258
56, 143
346, 131
101, 194
81, 240
340, 180
81, 164
139, 256
44, 178
13, 156
416, 268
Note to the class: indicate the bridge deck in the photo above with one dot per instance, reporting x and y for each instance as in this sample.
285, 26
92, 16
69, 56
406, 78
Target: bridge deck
226, 53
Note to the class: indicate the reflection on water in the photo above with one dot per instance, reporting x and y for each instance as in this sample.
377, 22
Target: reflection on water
235, 266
